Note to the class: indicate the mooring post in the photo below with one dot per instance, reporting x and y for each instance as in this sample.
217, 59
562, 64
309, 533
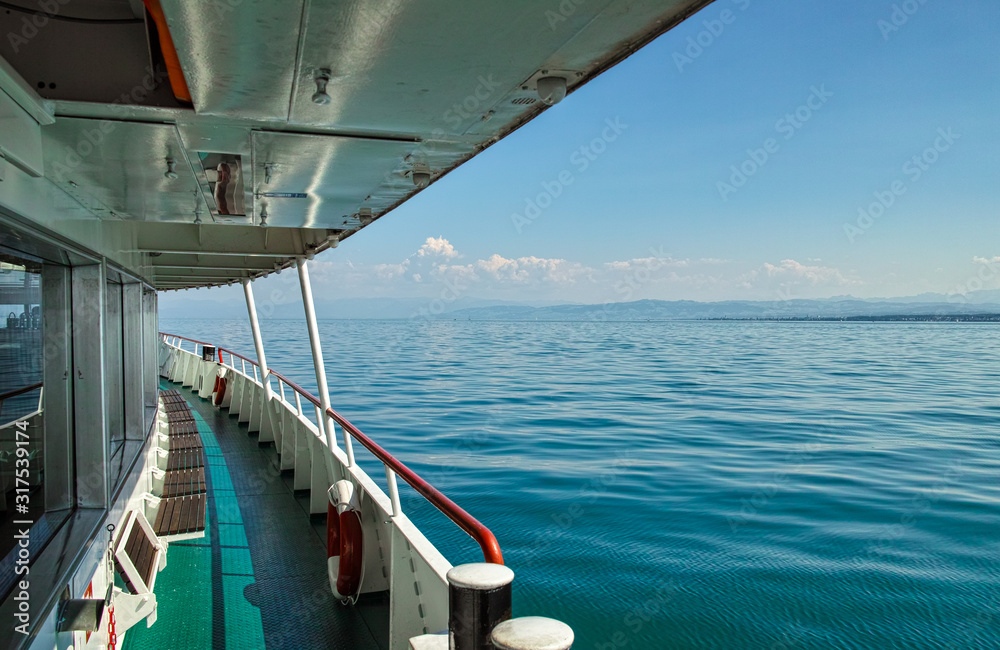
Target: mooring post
479, 598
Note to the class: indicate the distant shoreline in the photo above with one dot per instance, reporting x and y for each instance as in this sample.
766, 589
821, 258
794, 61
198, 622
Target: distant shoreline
898, 318
926, 318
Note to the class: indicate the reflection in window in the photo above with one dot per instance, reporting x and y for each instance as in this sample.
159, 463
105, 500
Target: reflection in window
114, 380
21, 364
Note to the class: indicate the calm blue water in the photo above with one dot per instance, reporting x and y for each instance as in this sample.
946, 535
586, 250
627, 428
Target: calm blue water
696, 484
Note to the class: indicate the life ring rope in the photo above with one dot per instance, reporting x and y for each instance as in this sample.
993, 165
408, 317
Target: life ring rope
345, 542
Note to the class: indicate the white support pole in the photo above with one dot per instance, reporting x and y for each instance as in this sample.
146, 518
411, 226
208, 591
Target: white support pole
259, 344
390, 479
317, 352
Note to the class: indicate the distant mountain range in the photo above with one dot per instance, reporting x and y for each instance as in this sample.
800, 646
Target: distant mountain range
203, 305
730, 309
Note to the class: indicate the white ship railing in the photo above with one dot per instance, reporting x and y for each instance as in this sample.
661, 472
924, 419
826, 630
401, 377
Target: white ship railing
414, 570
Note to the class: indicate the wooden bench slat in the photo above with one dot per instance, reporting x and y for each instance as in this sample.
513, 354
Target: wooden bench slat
182, 515
183, 482
182, 428
175, 516
185, 459
185, 441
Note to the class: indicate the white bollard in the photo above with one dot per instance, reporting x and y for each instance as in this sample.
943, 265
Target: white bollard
532, 633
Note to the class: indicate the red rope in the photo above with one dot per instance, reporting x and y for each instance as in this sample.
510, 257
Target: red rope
112, 637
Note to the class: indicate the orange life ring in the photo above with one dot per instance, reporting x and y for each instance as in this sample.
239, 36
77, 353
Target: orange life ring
220, 386
344, 542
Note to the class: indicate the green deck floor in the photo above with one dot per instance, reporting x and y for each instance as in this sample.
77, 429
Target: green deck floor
258, 577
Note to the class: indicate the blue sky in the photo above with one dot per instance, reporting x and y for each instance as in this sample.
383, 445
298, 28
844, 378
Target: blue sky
651, 211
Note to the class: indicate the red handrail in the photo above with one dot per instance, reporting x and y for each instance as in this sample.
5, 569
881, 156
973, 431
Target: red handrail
473, 528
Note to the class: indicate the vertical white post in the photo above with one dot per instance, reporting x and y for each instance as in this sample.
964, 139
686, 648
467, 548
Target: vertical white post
258, 343
317, 352
390, 478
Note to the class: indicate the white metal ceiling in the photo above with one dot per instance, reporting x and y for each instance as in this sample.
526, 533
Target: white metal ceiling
413, 83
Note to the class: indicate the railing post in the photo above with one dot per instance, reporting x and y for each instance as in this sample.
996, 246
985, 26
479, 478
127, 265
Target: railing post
479, 599
317, 352
321, 422
390, 479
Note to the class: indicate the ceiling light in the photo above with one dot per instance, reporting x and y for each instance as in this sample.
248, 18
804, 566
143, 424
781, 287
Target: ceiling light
551, 90
421, 175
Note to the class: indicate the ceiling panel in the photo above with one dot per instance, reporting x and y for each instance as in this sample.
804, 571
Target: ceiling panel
117, 169
422, 66
238, 57
316, 181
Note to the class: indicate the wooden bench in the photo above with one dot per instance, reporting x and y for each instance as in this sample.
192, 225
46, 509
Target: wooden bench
183, 482
185, 459
185, 442
137, 554
181, 515
182, 427
180, 512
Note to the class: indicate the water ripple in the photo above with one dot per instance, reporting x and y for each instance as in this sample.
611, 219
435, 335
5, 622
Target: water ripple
696, 485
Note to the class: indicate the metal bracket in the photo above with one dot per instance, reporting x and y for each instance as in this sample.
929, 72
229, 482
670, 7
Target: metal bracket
132, 608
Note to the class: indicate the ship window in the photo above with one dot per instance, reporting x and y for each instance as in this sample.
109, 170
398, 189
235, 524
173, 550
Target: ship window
114, 392
22, 494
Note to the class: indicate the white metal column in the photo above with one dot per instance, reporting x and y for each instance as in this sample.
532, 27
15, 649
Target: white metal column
317, 352
259, 345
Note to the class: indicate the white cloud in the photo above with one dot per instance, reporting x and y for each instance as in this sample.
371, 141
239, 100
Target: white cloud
986, 260
790, 269
437, 247
432, 269
390, 271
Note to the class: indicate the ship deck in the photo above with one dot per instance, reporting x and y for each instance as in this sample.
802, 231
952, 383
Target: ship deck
258, 577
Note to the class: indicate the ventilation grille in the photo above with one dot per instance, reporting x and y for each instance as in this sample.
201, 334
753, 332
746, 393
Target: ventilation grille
524, 101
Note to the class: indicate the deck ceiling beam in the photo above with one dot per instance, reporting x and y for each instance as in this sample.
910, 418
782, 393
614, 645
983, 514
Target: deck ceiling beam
217, 262
195, 273
217, 239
